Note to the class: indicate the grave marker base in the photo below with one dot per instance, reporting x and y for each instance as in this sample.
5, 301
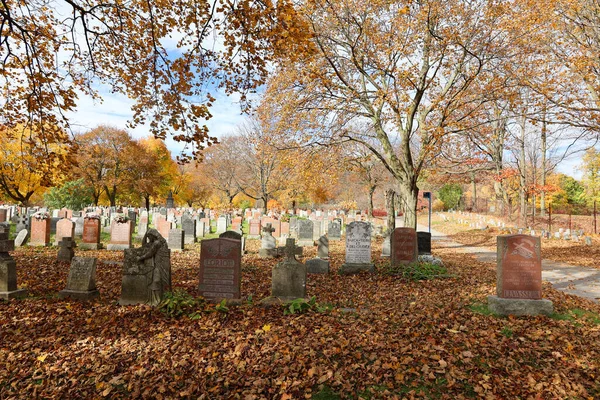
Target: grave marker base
13, 294
90, 246
349, 269
518, 307
77, 295
118, 247
317, 266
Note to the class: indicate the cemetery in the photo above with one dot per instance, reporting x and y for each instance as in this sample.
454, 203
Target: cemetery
331, 317
300, 199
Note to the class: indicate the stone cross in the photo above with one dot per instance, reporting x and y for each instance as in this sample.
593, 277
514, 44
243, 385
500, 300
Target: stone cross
290, 249
269, 229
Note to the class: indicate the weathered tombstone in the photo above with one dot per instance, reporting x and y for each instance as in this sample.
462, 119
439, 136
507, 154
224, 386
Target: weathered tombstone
323, 247
64, 228
146, 271
404, 246
23, 222
120, 235
294, 227
358, 248
40, 230
588, 241
81, 284
66, 250
78, 226
142, 227
386, 249
268, 248
289, 276
3, 214
221, 224
200, 229
188, 224
316, 230
91, 232
320, 264
305, 232
176, 239
519, 277
21, 238
8, 270
220, 269
334, 230
424, 242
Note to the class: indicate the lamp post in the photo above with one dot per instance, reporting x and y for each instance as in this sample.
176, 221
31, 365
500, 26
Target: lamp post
427, 195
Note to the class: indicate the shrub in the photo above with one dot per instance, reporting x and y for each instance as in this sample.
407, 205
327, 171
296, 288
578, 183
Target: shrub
450, 194
178, 303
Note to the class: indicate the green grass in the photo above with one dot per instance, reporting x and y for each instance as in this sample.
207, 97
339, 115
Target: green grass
325, 393
506, 331
480, 308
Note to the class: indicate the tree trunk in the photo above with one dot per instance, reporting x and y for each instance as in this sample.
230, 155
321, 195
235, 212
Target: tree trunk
410, 195
474, 192
543, 174
391, 212
371, 193
147, 200
523, 176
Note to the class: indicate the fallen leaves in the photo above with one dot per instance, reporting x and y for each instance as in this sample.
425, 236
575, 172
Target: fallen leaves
384, 338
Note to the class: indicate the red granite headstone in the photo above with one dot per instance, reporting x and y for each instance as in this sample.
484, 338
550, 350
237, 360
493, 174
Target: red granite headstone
285, 228
91, 231
3, 214
220, 269
163, 226
64, 228
404, 248
40, 232
519, 267
254, 227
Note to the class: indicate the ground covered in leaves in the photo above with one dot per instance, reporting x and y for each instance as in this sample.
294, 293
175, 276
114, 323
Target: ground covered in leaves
373, 336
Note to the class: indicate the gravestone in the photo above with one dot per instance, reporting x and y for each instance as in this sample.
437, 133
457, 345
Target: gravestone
268, 243
40, 231
78, 226
163, 226
305, 232
64, 228
294, 227
221, 224
188, 224
66, 250
289, 276
200, 229
146, 271
142, 227
316, 230
81, 284
21, 238
403, 245
231, 235
8, 270
170, 202
519, 277
176, 239
220, 269
358, 248
23, 222
120, 236
320, 264
254, 231
3, 214
334, 230
386, 249
588, 241
424, 242
91, 233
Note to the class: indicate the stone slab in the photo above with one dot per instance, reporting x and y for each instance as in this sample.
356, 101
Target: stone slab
349, 269
14, 294
317, 266
519, 307
77, 295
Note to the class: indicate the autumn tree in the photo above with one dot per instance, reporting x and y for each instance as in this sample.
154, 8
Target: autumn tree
221, 166
107, 161
159, 54
154, 171
30, 161
590, 167
403, 67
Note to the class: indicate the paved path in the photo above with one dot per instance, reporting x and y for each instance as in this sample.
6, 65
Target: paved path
572, 279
